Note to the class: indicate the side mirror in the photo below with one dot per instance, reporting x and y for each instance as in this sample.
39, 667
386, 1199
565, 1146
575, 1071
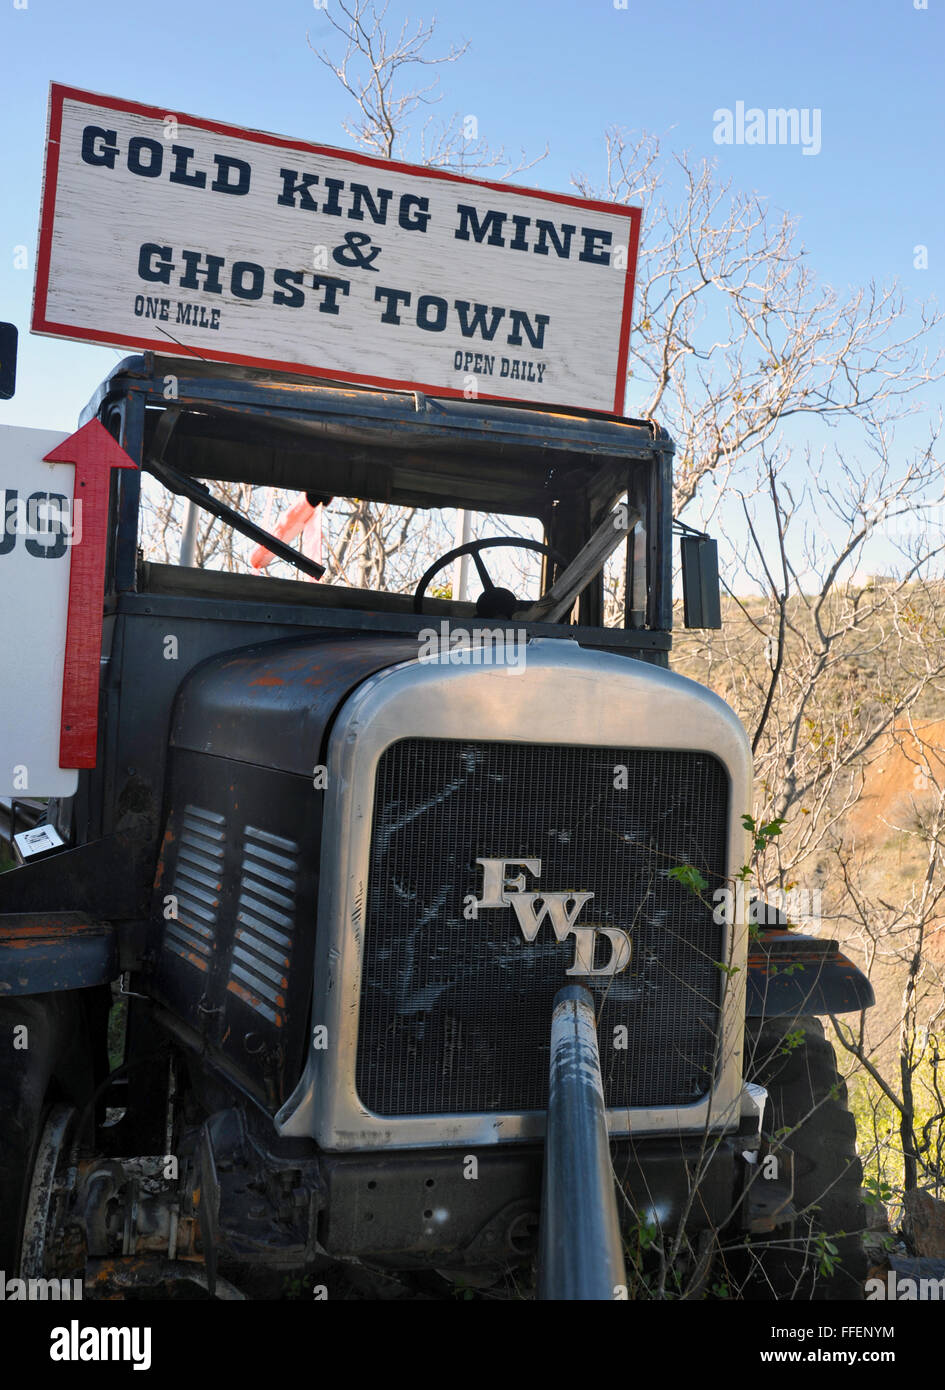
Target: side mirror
8, 337
702, 600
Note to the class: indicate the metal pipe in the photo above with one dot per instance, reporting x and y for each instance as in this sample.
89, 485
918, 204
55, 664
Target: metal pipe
580, 1247
25, 812
462, 536
188, 540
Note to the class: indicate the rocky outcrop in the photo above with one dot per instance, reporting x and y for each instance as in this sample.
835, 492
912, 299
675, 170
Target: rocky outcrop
924, 1223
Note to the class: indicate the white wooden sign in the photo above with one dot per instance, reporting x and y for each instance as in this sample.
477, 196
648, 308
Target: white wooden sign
169, 232
39, 529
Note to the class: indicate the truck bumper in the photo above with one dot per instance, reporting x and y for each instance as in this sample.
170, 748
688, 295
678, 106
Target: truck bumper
479, 1207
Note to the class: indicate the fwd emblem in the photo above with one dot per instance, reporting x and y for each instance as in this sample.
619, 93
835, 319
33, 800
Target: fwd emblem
500, 889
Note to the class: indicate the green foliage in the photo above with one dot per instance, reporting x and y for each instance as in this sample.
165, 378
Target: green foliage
878, 1138
463, 1291
828, 1256
301, 1288
763, 832
689, 877
647, 1235
876, 1192
645, 1250
791, 1041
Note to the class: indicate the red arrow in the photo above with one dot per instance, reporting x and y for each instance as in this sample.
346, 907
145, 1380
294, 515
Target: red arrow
94, 453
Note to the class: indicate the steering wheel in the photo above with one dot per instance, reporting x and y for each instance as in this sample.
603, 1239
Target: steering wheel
493, 602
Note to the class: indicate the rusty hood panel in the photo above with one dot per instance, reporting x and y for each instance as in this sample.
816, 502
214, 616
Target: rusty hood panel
271, 705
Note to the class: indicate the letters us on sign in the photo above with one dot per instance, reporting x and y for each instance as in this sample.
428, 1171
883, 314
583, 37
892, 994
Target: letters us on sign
167, 231
46, 522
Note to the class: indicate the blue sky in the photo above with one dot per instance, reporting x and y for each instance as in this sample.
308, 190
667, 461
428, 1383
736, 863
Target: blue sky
536, 71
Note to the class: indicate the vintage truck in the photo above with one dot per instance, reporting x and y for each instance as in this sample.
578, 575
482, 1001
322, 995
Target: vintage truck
339, 853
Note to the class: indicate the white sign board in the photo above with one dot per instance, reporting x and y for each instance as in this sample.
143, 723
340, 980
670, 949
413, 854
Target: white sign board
38, 531
169, 232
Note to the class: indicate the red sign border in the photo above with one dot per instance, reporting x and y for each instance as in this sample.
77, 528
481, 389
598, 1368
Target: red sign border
59, 93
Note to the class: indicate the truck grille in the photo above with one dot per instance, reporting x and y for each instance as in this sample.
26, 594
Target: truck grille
455, 1012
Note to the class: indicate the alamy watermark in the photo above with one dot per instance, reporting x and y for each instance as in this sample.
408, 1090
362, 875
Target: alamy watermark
78, 1343
772, 126
45, 522
920, 520
39, 1290
898, 1288
800, 906
477, 646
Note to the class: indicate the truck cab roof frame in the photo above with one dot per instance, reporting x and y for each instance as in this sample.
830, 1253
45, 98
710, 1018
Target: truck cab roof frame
242, 424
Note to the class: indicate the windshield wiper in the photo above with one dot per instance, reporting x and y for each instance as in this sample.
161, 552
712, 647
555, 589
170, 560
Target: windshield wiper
185, 486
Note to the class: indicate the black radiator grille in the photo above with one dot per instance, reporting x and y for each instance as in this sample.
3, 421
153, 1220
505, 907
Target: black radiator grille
455, 1013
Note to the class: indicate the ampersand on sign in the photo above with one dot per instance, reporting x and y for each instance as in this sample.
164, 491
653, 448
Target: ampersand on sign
353, 255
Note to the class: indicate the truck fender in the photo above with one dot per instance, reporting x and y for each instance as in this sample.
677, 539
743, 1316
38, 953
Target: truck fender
791, 975
46, 952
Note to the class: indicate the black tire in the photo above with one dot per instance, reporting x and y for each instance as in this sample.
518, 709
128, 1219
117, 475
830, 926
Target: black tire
55, 1065
797, 1066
